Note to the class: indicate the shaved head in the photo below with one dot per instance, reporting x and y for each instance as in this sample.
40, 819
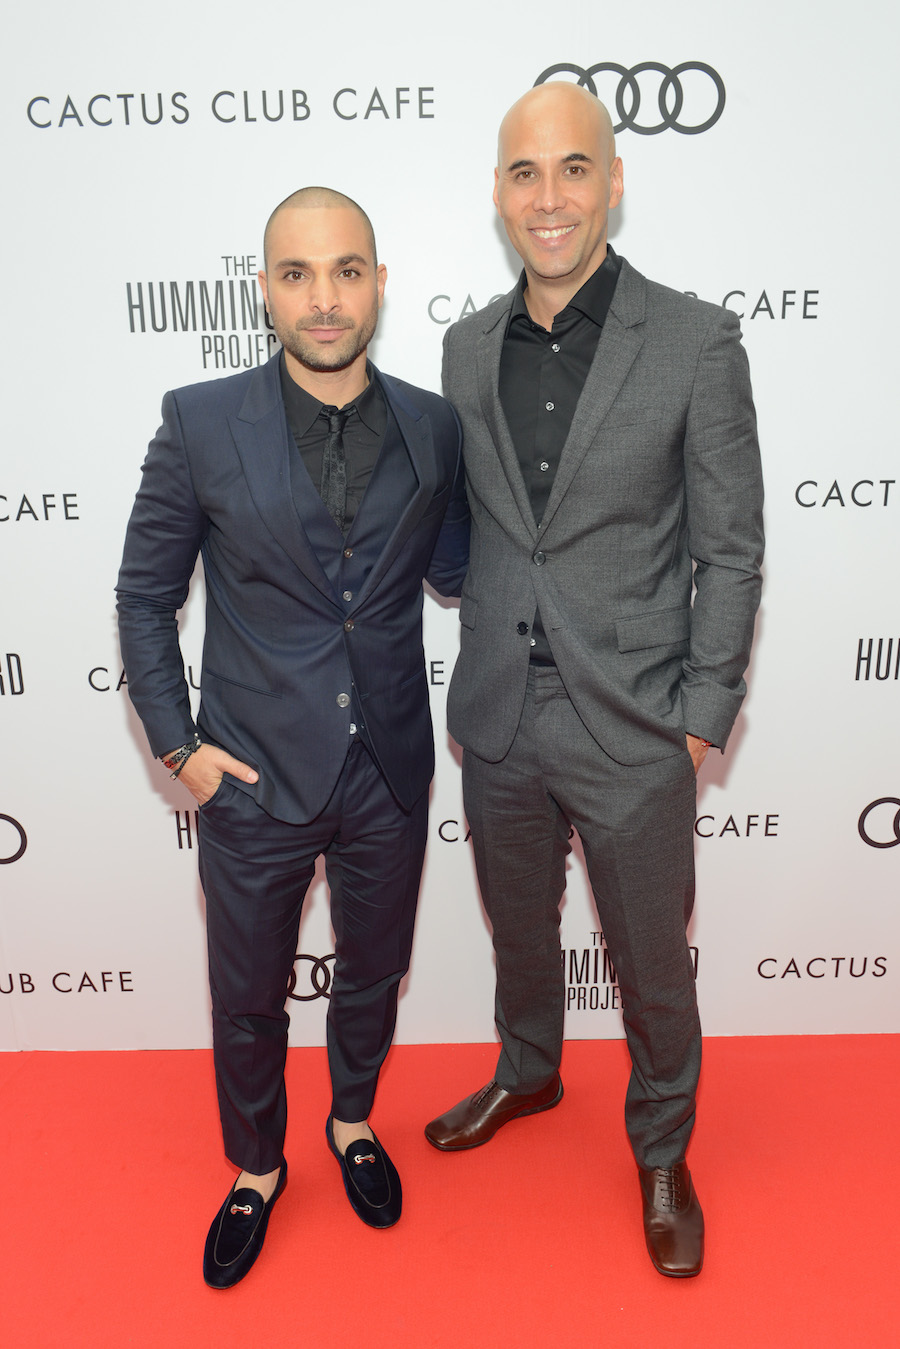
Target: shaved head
315, 199
559, 98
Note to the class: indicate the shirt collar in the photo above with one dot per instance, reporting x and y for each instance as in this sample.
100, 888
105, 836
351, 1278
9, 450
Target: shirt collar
592, 300
303, 409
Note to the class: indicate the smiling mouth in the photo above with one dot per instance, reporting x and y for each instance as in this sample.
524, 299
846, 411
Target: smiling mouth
554, 233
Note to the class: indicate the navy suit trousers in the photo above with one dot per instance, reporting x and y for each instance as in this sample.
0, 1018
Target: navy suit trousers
255, 872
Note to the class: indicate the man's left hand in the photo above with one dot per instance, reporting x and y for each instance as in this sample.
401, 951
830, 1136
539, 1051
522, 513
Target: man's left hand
697, 749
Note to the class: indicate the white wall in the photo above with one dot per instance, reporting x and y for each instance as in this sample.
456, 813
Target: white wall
785, 208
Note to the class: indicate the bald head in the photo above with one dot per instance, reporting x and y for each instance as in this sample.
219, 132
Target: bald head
317, 199
555, 102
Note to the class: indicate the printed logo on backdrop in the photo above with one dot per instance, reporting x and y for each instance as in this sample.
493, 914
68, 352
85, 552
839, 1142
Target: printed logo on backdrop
13, 840
879, 823
450, 309
846, 495
783, 306
760, 824
590, 977
103, 679
12, 680
230, 107
688, 105
64, 981
228, 314
35, 507
822, 967
881, 661
312, 979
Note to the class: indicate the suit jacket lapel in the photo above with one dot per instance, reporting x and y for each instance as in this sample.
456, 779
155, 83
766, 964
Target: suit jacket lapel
488, 353
620, 342
261, 438
417, 436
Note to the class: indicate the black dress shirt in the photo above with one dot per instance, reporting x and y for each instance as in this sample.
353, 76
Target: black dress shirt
542, 375
363, 436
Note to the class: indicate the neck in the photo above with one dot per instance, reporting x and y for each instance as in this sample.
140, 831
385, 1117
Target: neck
334, 387
545, 297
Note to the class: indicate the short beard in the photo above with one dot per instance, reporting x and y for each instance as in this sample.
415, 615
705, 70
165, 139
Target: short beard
327, 358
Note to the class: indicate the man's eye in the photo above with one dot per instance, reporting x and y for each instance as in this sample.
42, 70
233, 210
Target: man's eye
294, 276
349, 271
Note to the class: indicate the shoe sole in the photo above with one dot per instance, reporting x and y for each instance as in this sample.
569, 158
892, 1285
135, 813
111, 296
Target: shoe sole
520, 1114
676, 1273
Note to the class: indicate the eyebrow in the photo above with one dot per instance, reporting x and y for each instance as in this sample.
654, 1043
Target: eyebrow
332, 262
576, 157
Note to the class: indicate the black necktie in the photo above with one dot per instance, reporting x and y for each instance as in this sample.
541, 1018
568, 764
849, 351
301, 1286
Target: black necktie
334, 466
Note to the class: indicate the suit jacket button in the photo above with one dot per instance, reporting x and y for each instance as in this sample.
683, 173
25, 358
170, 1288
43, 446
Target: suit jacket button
348, 552
539, 559
522, 629
343, 700
348, 626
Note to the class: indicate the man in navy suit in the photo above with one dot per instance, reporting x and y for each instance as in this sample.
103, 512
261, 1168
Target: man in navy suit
319, 493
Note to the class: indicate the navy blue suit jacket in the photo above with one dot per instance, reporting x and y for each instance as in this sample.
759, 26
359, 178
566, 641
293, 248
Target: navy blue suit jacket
287, 661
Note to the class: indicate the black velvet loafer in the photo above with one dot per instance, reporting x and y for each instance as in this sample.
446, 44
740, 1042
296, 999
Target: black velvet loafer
237, 1234
370, 1179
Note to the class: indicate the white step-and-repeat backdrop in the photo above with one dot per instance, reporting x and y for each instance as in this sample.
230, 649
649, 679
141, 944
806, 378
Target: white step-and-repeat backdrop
144, 150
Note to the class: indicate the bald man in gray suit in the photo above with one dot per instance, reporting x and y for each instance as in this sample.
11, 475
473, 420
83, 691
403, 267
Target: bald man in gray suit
613, 474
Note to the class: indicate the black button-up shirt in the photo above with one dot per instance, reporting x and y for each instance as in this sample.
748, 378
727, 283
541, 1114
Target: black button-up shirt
363, 435
542, 375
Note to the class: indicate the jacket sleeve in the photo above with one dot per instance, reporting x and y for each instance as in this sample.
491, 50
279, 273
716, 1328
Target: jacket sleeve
163, 539
723, 500
450, 559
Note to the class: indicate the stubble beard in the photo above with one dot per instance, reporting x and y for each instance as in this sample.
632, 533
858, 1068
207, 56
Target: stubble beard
336, 356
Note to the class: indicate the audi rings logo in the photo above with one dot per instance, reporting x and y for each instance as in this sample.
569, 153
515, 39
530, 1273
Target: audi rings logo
671, 97
4, 835
319, 978
880, 825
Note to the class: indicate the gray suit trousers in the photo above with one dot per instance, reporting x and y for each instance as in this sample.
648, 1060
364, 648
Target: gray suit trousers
636, 828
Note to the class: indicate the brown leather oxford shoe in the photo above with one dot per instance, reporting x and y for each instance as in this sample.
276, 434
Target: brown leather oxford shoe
673, 1220
476, 1119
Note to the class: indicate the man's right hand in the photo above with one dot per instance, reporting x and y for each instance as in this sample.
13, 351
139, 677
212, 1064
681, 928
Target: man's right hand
203, 771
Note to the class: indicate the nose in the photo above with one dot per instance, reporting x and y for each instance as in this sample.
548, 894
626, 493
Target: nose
323, 295
549, 195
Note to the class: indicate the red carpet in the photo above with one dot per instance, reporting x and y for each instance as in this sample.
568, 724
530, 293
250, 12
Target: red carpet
532, 1240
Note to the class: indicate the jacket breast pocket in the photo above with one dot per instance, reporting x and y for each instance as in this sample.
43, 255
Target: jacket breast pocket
669, 627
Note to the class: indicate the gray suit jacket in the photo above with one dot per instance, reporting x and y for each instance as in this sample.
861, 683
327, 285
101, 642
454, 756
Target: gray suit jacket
658, 489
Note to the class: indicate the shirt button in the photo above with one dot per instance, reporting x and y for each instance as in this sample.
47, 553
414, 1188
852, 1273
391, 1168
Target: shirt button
521, 629
534, 641
555, 346
348, 552
549, 406
343, 700
539, 559
348, 595
544, 467
348, 626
